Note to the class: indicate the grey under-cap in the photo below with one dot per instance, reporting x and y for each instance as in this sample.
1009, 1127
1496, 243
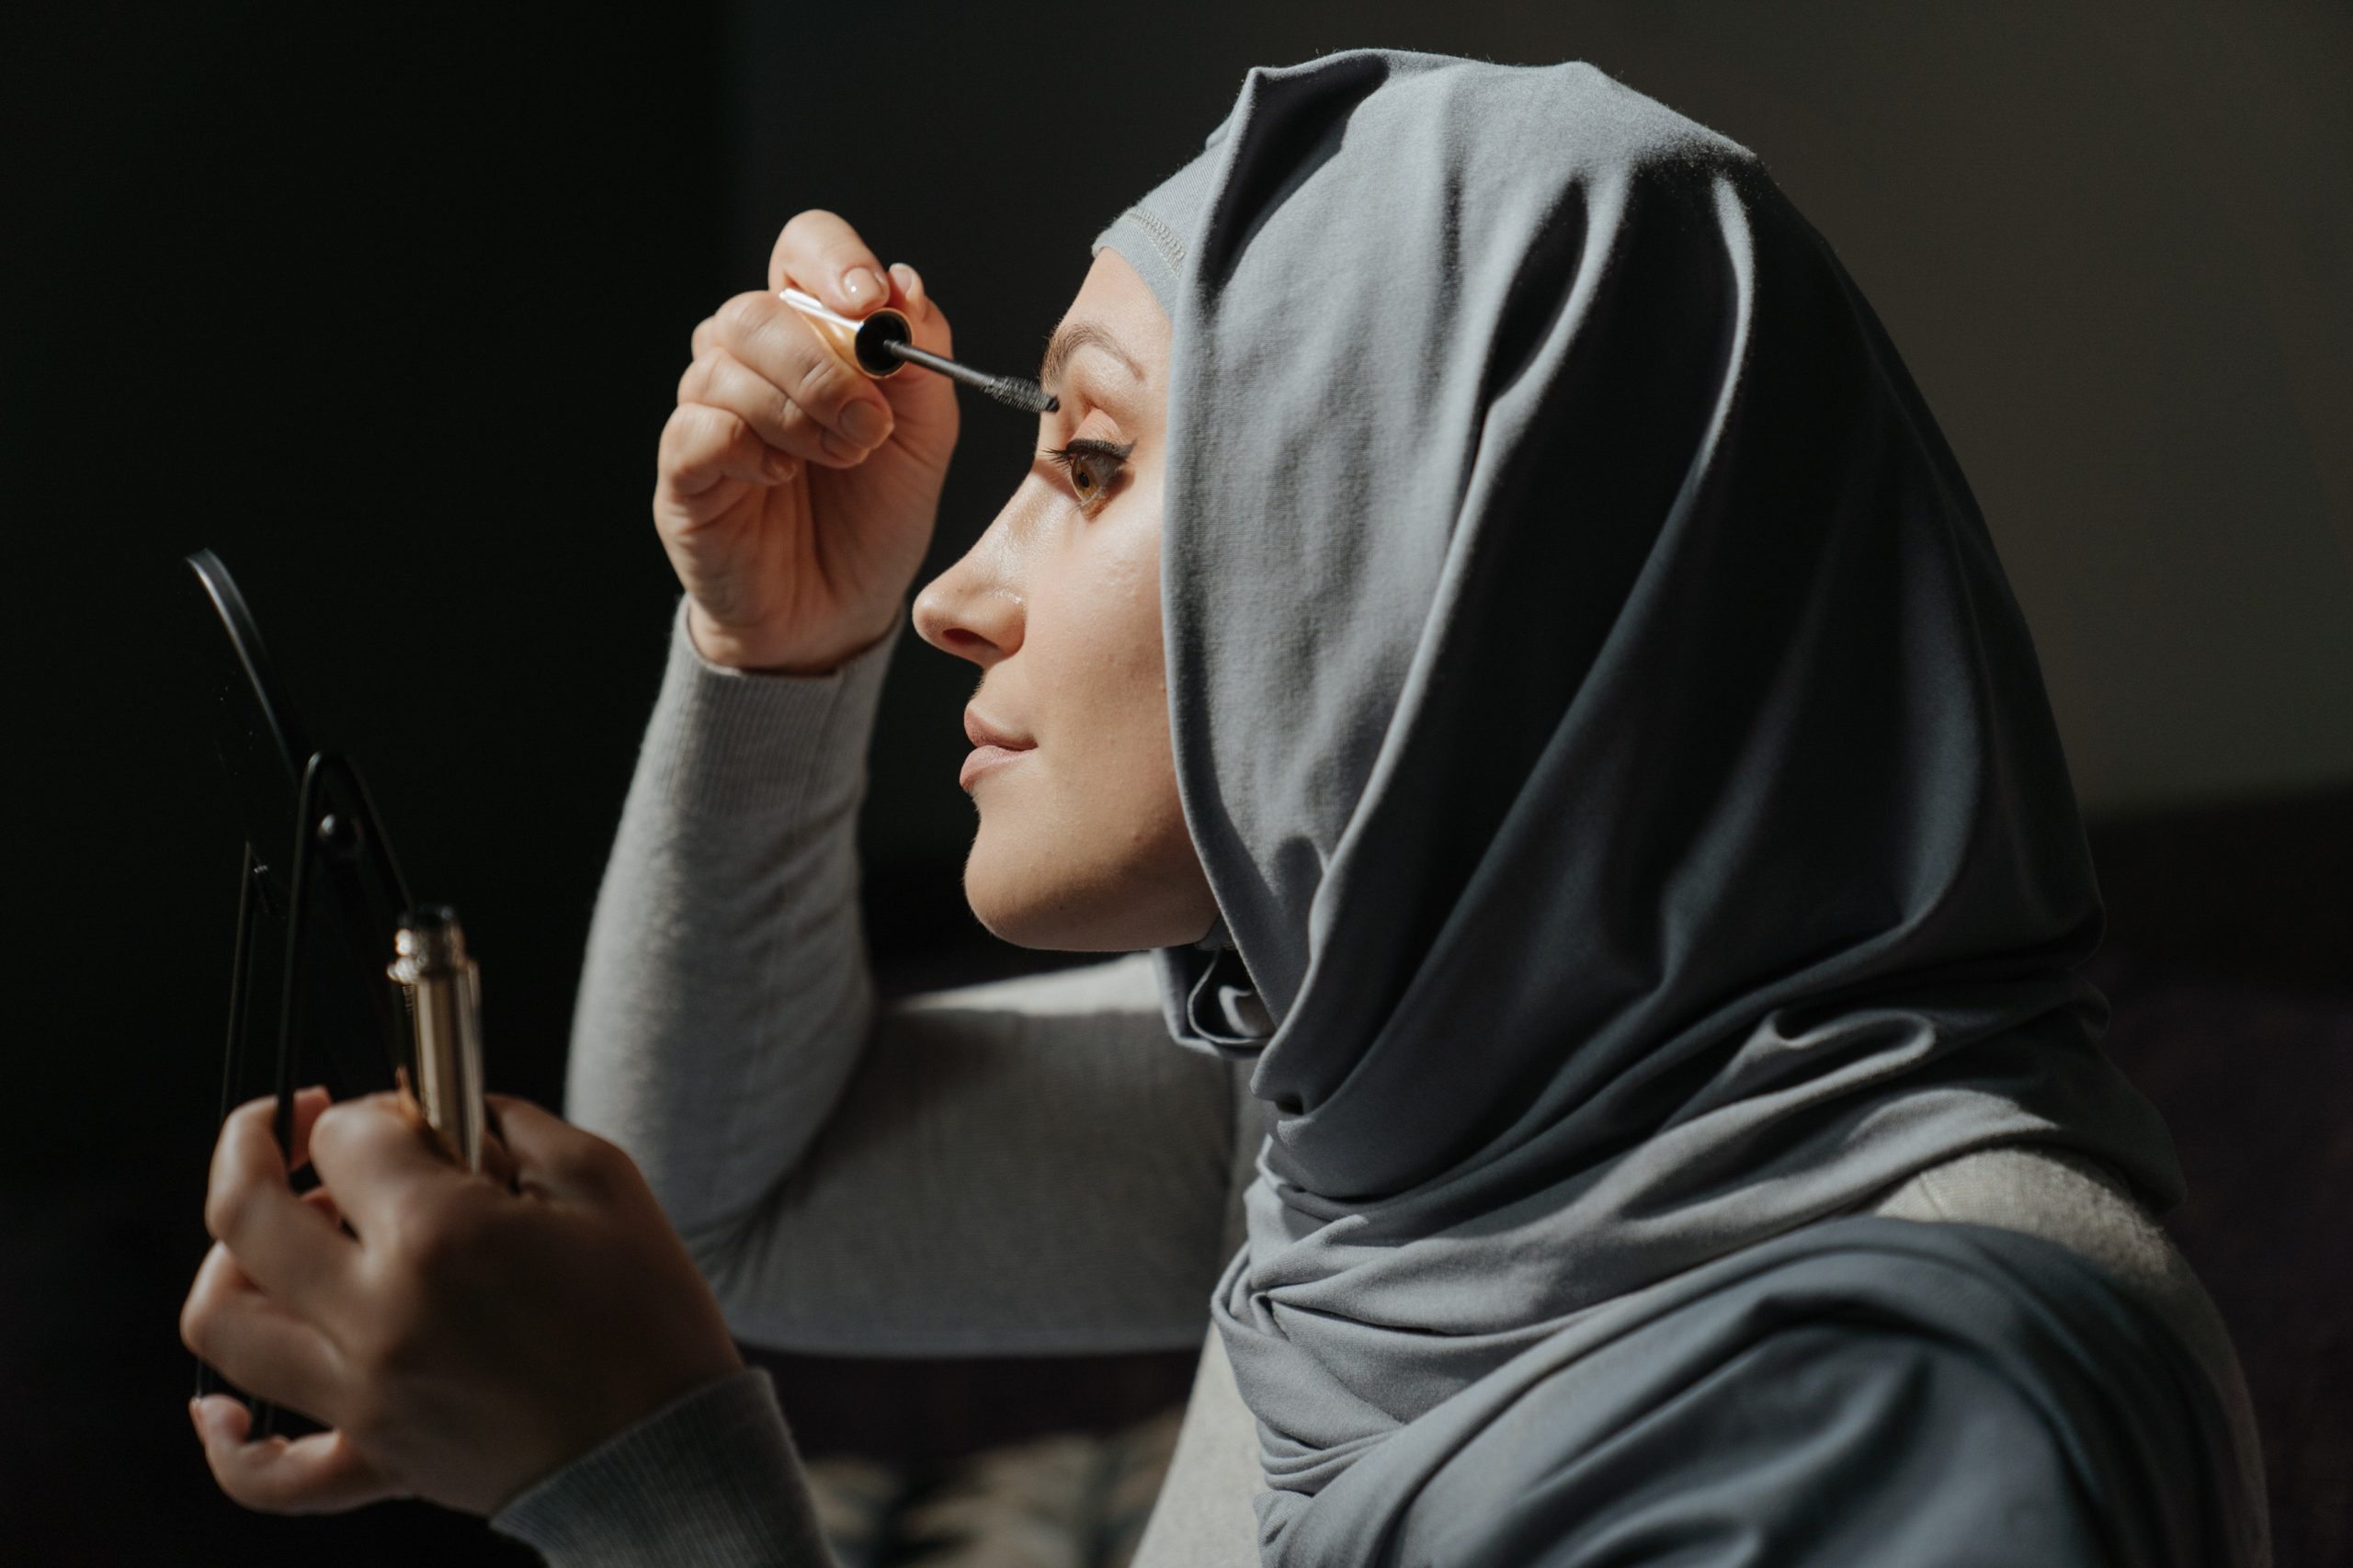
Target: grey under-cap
1150, 235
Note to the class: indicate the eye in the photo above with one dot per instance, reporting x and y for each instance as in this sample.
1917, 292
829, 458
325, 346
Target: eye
1092, 466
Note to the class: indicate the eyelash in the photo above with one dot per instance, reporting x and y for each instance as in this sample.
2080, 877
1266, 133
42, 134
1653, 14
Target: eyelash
1078, 452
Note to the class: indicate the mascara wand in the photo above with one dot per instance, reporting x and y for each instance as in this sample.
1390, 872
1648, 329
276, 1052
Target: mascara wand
881, 344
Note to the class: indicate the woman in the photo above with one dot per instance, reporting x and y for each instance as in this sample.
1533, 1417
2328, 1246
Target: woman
1494, 619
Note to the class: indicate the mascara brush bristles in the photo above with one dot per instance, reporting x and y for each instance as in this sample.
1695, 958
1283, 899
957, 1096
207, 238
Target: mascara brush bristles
1018, 391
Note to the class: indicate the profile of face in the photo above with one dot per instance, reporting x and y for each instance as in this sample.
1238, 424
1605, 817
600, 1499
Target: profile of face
1081, 843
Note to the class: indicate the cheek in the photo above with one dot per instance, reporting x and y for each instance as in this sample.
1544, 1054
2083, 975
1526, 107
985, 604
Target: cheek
1094, 643
1095, 634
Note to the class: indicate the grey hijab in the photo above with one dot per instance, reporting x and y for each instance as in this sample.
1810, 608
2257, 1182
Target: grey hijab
1640, 839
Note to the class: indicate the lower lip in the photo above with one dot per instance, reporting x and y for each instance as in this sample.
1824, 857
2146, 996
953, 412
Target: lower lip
987, 759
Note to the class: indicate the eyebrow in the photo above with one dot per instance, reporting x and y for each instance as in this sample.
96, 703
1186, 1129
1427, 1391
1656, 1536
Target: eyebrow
1074, 336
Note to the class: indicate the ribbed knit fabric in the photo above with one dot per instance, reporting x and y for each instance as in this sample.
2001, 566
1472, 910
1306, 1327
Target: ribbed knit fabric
710, 1481
724, 992
734, 742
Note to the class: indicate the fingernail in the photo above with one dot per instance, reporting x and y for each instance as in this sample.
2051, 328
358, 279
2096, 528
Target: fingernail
196, 1419
861, 287
841, 447
866, 423
904, 276
777, 466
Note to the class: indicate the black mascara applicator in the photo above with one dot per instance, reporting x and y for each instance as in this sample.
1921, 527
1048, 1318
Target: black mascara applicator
881, 344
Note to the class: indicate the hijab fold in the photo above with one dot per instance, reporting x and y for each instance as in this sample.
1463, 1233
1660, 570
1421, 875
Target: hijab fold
1640, 838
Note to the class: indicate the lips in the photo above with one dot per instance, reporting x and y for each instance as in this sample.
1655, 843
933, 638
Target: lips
993, 746
981, 733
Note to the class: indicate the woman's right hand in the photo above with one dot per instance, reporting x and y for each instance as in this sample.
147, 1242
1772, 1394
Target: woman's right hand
795, 497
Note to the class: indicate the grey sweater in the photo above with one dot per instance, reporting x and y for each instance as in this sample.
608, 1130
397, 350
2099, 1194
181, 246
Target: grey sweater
856, 1178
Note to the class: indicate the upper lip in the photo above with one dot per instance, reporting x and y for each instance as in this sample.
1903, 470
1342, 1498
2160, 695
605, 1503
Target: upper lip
981, 732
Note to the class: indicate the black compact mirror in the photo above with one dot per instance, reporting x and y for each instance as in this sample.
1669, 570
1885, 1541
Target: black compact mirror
319, 896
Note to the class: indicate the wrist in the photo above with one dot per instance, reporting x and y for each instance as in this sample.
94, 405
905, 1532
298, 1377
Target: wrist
759, 653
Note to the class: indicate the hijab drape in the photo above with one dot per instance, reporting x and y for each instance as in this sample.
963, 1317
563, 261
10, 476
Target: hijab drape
1640, 838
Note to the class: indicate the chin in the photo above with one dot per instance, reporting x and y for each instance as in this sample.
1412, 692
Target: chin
1061, 902
1038, 917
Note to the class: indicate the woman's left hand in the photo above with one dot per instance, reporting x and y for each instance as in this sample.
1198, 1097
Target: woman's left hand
466, 1340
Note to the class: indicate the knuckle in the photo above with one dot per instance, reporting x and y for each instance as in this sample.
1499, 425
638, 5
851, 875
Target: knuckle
797, 422
678, 433
590, 1162
722, 428
599, 1158
689, 435
821, 384
221, 1208
744, 316
440, 1243
335, 1124
723, 379
812, 223
197, 1322
201, 1313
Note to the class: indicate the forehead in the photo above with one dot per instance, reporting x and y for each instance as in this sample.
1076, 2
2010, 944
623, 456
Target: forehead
1116, 299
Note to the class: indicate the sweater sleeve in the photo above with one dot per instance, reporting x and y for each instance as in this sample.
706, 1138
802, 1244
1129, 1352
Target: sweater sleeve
724, 994
855, 1178
710, 1481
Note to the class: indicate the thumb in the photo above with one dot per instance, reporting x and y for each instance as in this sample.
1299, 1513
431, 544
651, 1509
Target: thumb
551, 1157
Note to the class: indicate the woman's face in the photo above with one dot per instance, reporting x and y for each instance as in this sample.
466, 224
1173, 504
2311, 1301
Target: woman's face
1082, 843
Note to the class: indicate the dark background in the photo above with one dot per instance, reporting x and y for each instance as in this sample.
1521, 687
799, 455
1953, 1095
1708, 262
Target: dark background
388, 307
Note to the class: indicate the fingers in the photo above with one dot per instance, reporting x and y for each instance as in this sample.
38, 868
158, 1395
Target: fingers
703, 448
255, 1343
554, 1159
718, 380
818, 252
779, 343
289, 1247
912, 300
381, 1168
906, 293
321, 1473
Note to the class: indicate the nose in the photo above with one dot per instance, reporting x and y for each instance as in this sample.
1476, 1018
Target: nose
971, 610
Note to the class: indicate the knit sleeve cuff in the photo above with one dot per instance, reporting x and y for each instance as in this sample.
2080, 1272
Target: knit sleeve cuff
725, 741
710, 1481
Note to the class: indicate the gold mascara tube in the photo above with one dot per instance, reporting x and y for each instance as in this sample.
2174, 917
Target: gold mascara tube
443, 987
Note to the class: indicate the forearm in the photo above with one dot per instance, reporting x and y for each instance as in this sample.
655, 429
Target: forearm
726, 994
